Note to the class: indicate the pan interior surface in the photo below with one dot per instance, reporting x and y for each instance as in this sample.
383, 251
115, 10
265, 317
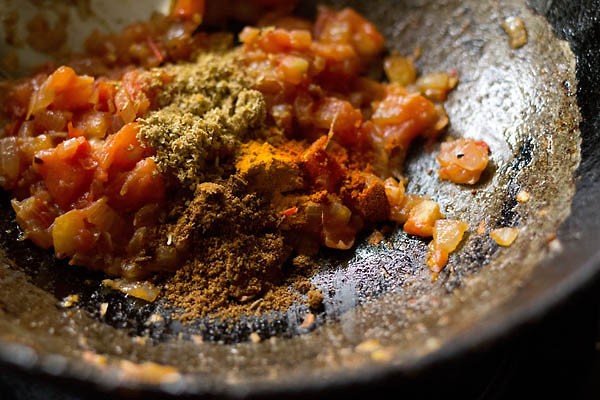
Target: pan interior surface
381, 309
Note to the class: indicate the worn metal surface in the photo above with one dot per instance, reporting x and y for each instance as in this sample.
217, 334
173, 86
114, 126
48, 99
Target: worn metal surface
521, 102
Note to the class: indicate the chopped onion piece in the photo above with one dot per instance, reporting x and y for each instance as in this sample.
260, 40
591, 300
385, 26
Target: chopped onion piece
400, 70
448, 233
9, 161
422, 218
143, 290
516, 31
504, 236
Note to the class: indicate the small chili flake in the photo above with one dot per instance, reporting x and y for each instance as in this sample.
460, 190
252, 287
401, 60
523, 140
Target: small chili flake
290, 211
155, 50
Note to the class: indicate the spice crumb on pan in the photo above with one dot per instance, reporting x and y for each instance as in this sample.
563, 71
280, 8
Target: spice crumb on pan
481, 228
516, 31
308, 322
69, 301
208, 175
555, 245
255, 338
376, 237
523, 196
315, 299
103, 309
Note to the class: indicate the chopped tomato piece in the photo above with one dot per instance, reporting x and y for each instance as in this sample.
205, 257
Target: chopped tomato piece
422, 218
400, 70
340, 117
51, 120
437, 258
400, 118
142, 185
35, 215
463, 161
294, 69
30, 146
447, 235
104, 96
437, 86
189, 9
505, 236
347, 26
67, 170
94, 124
74, 132
290, 211
71, 234
65, 90
122, 150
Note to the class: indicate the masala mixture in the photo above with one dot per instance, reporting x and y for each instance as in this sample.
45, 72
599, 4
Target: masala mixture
167, 152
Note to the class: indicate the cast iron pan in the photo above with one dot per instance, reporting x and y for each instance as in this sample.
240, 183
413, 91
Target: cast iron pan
383, 317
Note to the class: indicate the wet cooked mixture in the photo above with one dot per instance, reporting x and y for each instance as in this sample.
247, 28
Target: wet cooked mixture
166, 150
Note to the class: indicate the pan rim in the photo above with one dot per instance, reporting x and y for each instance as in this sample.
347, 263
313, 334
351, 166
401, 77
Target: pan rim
490, 331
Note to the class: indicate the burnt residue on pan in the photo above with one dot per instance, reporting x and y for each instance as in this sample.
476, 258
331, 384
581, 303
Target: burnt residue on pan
380, 304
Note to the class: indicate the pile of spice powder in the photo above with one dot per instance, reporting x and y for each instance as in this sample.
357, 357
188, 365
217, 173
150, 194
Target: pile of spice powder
203, 115
225, 234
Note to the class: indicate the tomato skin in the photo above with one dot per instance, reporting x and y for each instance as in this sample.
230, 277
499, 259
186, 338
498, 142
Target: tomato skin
104, 96
63, 90
140, 186
121, 151
67, 170
130, 99
340, 117
35, 216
